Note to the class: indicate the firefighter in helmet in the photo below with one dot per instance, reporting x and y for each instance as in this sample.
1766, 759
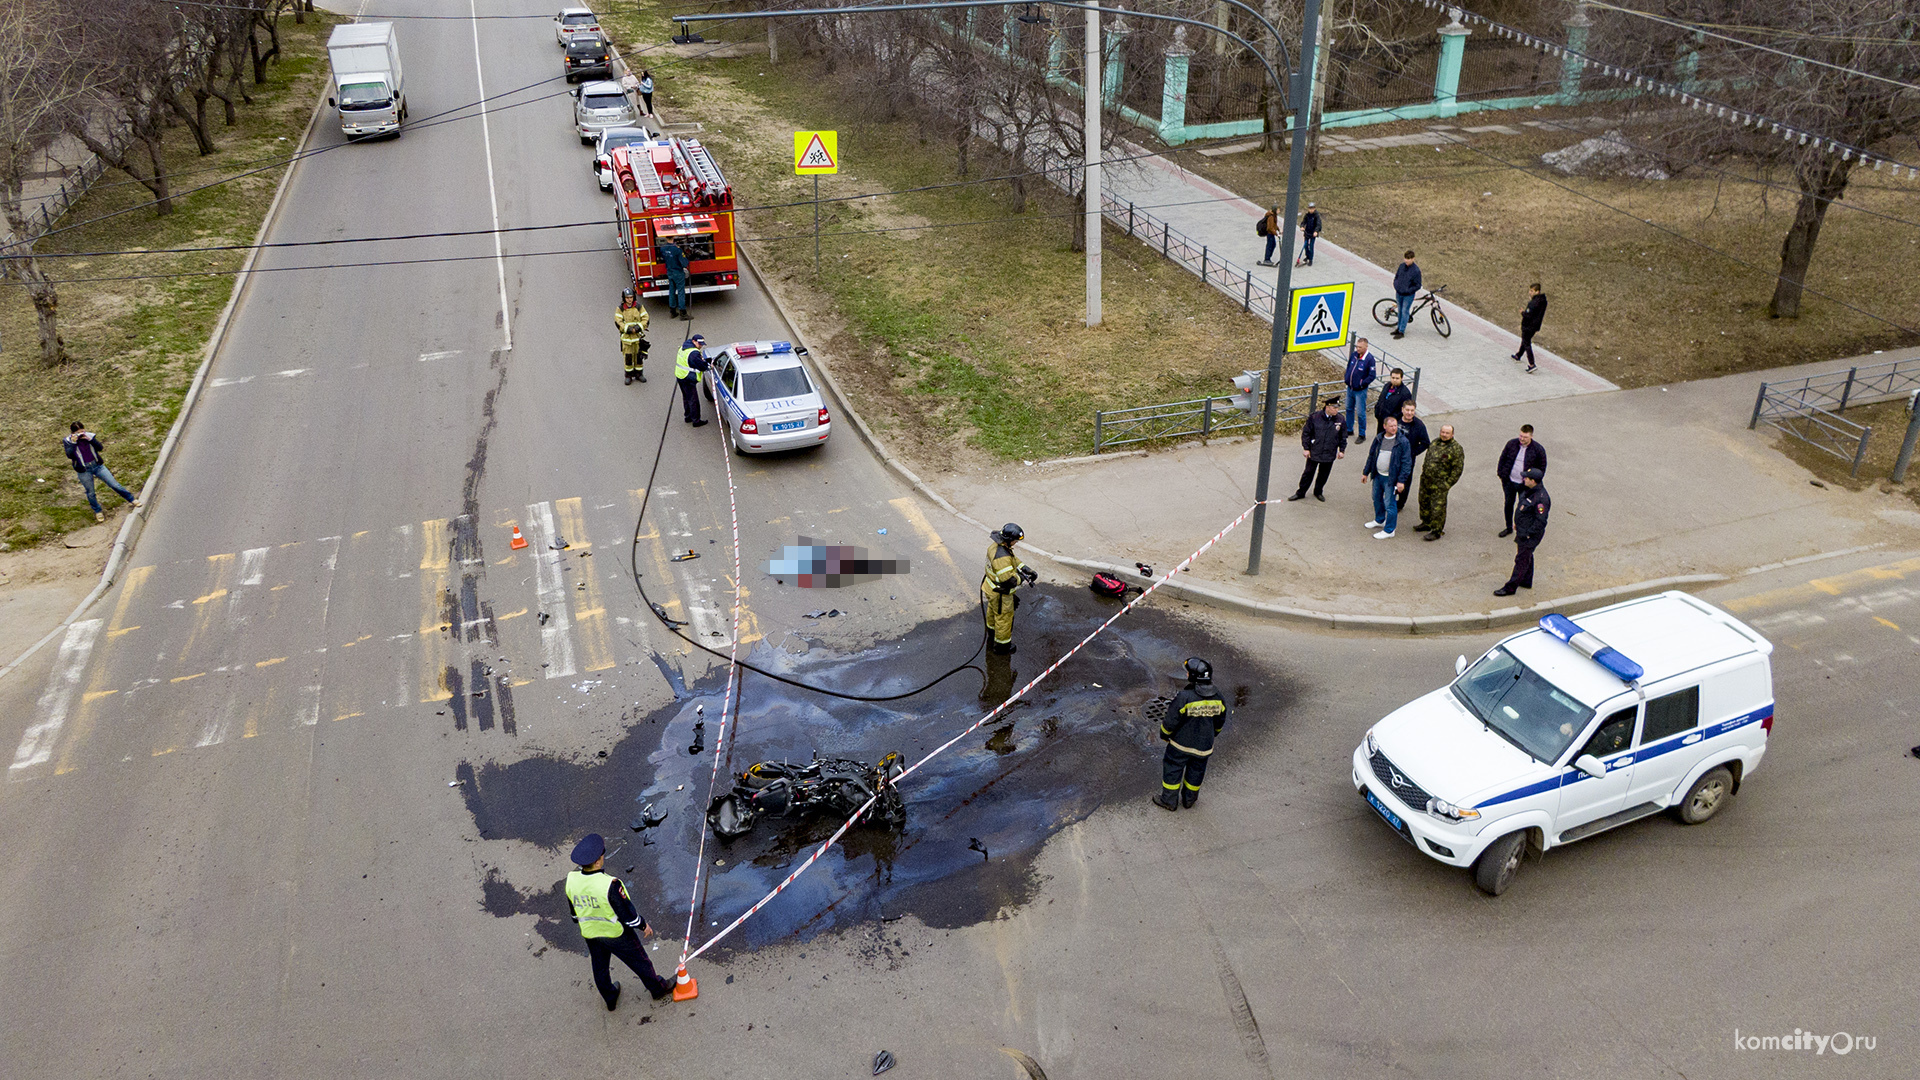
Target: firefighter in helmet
1194, 719
631, 319
1005, 573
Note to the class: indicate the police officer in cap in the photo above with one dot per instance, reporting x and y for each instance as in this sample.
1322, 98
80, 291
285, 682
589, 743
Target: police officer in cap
1193, 721
686, 371
631, 320
1005, 573
609, 922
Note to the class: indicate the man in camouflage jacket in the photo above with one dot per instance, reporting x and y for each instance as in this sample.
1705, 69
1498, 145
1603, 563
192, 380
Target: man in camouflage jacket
1446, 460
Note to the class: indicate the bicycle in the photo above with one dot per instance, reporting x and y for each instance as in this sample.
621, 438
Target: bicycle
1386, 311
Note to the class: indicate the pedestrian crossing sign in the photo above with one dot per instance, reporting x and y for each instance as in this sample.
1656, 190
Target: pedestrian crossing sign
1319, 316
816, 153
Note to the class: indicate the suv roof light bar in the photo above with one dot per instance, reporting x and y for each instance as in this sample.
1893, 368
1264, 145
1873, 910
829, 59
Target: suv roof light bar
1592, 647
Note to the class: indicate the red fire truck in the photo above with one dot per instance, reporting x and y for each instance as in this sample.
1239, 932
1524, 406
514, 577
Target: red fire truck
671, 189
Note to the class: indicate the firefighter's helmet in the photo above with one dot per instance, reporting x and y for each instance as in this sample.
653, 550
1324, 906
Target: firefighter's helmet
1199, 670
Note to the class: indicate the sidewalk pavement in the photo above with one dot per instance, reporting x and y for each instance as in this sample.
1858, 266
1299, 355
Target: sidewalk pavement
54, 168
1648, 485
1469, 370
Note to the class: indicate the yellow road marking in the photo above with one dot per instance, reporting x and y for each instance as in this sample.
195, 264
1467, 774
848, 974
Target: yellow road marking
1888, 623
589, 619
514, 615
924, 529
270, 663
215, 594
348, 716
188, 678
95, 695
219, 569
122, 630
1836, 585
435, 558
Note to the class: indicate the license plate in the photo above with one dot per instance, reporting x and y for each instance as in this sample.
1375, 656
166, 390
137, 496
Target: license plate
1393, 819
790, 425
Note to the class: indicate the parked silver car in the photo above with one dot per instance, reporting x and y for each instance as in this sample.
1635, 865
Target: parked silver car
600, 105
606, 143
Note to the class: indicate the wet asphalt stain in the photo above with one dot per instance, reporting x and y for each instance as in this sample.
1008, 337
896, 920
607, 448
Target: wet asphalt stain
976, 816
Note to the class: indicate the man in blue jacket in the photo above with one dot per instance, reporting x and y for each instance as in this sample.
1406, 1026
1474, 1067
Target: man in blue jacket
1406, 282
1390, 467
1359, 377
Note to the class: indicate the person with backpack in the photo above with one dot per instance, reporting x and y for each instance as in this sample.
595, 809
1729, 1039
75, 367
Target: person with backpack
1269, 227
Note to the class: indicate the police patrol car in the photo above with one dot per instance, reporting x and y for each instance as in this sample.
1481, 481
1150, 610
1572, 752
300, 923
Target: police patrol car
767, 399
1573, 728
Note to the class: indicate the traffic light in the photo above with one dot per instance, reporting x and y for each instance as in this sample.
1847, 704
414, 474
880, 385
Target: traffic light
1246, 397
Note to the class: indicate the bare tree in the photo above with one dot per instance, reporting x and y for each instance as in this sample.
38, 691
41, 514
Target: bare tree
1841, 68
39, 77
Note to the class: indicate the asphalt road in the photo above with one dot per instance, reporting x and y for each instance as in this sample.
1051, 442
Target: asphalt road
232, 848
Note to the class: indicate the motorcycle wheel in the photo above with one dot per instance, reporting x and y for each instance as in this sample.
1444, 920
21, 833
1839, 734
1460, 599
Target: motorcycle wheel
731, 817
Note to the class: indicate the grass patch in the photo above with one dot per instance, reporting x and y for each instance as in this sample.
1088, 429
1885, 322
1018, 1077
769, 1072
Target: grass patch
135, 344
958, 322
1888, 419
1636, 304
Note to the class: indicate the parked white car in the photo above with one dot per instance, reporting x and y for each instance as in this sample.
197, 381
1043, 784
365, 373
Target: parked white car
767, 399
606, 142
1572, 728
574, 20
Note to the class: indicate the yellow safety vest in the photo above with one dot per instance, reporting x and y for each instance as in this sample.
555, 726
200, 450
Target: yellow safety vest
1003, 566
632, 323
588, 895
682, 369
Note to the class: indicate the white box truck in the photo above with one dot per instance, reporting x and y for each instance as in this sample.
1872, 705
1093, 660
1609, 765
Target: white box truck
369, 90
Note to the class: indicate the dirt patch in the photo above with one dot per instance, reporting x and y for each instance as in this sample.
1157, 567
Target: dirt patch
1888, 419
41, 586
1633, 296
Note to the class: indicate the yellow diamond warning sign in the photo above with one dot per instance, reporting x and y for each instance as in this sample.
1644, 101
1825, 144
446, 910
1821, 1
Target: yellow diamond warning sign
816, 153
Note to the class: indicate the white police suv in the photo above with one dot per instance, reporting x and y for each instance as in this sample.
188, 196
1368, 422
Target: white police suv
1573, 728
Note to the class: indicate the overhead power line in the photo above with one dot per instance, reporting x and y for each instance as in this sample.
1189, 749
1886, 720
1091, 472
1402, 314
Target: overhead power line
1702, 28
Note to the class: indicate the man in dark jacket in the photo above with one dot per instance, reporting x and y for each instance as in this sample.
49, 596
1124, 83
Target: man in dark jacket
83, 450
1323, 440
1521, 454
675, 262
1194, 719
1530, 318
1309, 229
1390, 468
1417, 440
1406, 282
1359, 378
1530, 521
1392, 397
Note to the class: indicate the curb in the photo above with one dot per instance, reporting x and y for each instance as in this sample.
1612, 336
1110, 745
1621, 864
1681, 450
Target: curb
135, 524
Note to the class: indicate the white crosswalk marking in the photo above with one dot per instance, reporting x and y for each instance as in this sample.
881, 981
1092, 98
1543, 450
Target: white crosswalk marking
556, 641
36, 745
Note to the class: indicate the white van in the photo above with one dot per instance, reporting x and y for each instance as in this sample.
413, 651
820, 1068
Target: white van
1573, 728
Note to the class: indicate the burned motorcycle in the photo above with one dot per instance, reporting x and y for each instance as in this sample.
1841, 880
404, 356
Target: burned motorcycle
834, 787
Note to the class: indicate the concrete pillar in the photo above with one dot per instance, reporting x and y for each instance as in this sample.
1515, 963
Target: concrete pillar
1010, 34
1115, 62
1570, 68
1446, 78
1173, 90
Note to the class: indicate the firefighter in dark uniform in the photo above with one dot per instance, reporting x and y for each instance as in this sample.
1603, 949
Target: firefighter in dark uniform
687, 367
631, 319
1193, 721
1005, 573
609, 922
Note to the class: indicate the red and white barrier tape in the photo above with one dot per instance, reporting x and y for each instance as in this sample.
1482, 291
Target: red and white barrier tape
975, 726
734, 676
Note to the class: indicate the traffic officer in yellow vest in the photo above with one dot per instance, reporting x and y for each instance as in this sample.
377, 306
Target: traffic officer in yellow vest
631, 319
1005, 573
609, 922
686, 371
1194, 718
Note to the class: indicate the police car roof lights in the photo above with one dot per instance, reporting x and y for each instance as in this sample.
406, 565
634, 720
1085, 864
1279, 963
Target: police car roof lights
1592, 647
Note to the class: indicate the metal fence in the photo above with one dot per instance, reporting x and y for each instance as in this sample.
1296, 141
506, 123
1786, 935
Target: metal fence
72, 186
1212, 417
1809, 409
1255, 296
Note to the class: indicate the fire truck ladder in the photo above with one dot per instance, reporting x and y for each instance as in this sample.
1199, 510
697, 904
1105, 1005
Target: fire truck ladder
701, 166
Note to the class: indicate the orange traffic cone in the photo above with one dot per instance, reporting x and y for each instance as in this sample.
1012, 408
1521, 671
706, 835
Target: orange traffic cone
684, 986
518, 540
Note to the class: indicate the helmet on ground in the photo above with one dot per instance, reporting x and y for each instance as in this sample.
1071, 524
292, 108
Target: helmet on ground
1009, 533
1199, 670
